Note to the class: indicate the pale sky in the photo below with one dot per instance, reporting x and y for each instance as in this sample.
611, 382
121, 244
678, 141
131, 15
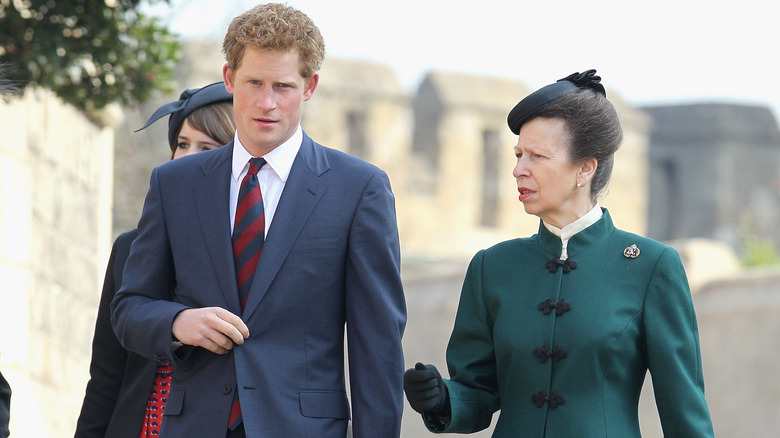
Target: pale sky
659, 52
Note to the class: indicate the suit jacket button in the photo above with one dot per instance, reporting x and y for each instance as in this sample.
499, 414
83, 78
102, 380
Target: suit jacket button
226, 389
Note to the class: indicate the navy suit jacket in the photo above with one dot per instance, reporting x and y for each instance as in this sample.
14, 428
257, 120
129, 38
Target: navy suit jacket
331, 259
120, 381
5, 406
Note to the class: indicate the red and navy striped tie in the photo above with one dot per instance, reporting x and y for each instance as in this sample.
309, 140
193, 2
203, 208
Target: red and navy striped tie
248, 237
249, 229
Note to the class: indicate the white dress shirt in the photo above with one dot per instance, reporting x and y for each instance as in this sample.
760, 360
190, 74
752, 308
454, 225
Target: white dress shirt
272, 177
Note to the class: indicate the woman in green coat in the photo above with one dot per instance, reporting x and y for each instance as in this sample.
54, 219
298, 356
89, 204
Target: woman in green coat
558, 330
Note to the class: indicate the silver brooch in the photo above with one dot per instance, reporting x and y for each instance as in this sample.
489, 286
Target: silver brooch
631, 252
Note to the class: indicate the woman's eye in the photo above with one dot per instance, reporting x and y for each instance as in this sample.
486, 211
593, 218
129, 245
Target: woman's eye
183, 145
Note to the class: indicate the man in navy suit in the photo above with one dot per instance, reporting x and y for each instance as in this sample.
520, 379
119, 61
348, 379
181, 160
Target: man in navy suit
330, 260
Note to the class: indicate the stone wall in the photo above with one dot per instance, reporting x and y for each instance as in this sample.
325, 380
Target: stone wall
739, 324
56, 172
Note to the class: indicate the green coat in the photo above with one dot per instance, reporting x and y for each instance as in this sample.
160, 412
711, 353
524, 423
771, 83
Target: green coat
576, 370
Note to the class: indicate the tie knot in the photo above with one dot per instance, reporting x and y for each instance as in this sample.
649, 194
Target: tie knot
255, 164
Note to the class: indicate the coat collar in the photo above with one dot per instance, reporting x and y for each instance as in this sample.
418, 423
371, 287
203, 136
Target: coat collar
577, 243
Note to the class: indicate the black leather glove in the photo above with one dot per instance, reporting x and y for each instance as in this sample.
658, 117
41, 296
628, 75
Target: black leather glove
426, 390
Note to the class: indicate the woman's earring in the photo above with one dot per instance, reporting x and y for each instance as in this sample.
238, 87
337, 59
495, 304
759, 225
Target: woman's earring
579, 183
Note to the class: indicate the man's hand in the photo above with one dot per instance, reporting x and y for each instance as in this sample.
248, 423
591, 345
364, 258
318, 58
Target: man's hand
212, 328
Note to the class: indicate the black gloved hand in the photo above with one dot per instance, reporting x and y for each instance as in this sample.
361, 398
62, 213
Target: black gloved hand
426, 390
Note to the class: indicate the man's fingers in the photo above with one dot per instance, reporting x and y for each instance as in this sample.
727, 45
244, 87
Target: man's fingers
215, 347
231, 326
212, 328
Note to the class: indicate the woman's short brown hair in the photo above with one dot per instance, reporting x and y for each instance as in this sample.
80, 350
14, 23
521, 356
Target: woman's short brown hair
279, 28
594, 129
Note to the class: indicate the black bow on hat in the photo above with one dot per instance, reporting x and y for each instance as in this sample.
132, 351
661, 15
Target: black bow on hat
543, 96
189, 101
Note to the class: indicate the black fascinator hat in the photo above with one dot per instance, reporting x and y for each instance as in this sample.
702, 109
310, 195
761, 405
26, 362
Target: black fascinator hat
189, 101
542, 97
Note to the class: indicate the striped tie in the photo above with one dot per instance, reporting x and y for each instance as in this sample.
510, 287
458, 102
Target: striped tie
249, 229
248, 237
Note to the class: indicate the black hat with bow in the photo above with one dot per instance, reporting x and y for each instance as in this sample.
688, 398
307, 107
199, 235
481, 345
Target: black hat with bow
542, 97
189, 101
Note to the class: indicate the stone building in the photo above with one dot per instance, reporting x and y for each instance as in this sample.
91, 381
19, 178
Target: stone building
449, 154
715, 173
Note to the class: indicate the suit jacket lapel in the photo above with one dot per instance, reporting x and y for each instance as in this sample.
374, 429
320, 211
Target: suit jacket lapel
304, 188
212, 200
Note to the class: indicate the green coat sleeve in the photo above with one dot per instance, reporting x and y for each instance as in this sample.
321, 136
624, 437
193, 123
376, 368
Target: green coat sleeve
472, 386
672, 349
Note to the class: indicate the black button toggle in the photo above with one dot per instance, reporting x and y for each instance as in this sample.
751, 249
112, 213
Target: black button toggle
554, 263
540, 398
560, 307
544, 352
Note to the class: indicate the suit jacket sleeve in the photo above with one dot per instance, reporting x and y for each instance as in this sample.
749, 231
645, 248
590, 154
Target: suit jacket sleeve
143, 312
375, 314
674, 359
109, 358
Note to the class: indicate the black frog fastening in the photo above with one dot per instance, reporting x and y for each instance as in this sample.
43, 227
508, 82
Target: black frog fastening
560, 307
568, 265
540, 398
544, 352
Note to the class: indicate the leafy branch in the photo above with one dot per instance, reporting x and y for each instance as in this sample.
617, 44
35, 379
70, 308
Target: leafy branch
89, 52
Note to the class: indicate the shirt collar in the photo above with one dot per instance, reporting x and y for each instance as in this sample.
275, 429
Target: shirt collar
575, 227
280, 159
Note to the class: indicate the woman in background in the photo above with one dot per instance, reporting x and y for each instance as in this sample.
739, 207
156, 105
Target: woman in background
558, 330
126, 393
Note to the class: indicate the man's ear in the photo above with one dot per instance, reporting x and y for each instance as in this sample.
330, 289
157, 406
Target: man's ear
311, 85
227, 76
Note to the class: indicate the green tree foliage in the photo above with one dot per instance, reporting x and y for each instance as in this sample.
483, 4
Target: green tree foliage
89, 52
757, 250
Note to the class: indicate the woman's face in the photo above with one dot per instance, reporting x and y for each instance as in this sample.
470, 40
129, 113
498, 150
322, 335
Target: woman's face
546, 179
192, 141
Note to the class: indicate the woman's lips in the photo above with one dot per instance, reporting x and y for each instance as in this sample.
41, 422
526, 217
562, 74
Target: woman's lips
524, 193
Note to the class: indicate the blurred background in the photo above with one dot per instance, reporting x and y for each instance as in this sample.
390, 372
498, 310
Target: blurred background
422, 89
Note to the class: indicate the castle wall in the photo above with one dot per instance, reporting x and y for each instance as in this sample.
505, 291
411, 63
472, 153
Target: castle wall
56, 175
